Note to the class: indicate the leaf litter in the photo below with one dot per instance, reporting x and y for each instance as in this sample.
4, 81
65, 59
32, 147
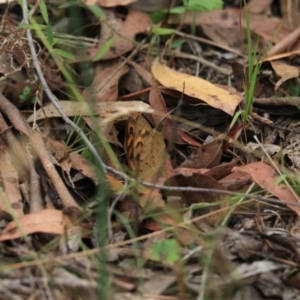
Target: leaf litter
219, 220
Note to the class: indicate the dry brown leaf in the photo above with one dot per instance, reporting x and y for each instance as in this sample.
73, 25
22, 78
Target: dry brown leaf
124, 33
105, 84
266, 177
169, 129
236, 181
186, 136
289, 42
76, 161
258, 6
285, 71
190, 197
47, 221
195, 87
207, 156
61, 154
134, 84
218, 172
226, 37
57, 148
262, 25
146, 75
11, 197
223, 170
196, 180
109, 111
109, 131
84, 166
290, 11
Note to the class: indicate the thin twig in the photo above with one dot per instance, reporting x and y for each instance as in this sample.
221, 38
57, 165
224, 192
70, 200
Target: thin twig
278, 101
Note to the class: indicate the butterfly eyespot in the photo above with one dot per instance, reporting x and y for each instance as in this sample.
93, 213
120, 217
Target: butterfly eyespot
131, 130
145, 134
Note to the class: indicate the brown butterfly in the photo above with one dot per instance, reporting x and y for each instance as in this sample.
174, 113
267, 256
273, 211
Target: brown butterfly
145, 149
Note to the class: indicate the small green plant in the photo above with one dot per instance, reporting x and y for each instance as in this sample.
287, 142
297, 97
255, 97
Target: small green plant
167, 251
253, 69
254, 65
25, 93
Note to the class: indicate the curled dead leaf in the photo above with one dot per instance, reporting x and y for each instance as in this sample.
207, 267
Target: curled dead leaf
285, 71
266, 177
207, 156
46, 221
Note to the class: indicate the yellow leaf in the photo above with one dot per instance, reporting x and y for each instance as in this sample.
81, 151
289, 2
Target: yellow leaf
196, 87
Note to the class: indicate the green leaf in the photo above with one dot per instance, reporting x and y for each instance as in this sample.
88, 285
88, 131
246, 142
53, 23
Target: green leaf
64, 54
163, 31
25, 93
44, 12
196, 5
178, 10
96, 10
49, 34
167, 251
56, 42
104, 49
158, 16
178, 43
69, 4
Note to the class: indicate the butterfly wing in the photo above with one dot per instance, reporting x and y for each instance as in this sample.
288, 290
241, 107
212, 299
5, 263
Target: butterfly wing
153, 157
145, 149
129, 143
